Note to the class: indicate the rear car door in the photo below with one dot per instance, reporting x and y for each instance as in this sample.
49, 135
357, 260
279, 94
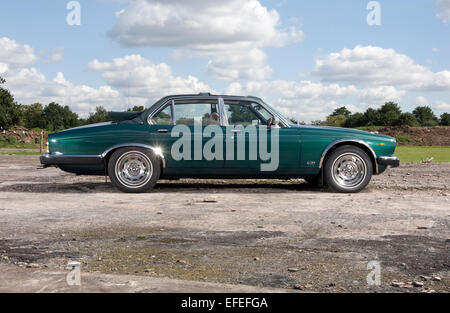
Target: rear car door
180, 129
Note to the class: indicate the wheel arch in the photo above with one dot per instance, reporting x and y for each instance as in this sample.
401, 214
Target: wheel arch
106, 155
350, 142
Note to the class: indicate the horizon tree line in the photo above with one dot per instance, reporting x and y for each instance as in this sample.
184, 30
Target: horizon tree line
53, 117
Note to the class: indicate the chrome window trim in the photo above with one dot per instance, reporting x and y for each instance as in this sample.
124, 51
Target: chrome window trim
223, 114
157, 110
280, 117
172, 112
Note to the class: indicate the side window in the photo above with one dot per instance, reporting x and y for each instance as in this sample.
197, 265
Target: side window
187, 112
164, 117
242, 113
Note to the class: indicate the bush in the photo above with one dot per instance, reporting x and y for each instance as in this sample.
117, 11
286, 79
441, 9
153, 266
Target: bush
445, 119
407, 119
425, 116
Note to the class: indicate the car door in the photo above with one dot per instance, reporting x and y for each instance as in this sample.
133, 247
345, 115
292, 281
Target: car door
201, 119
267, 149
186, 129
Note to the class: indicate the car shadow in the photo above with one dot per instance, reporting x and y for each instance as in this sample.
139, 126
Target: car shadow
166, 187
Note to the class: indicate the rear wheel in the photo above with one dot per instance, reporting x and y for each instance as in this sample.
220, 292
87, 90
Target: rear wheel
348, 169
134, 170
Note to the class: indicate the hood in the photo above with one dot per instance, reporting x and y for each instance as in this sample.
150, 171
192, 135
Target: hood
341, 130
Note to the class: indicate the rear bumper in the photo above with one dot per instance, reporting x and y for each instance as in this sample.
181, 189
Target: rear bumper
55, 160
389, 161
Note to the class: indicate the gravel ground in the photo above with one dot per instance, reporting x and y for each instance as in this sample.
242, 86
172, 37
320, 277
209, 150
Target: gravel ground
214, 233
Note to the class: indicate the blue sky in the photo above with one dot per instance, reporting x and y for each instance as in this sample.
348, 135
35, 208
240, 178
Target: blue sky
305, 57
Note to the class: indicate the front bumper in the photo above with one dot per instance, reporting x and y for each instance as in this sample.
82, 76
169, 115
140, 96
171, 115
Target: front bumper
55, 160
389, 161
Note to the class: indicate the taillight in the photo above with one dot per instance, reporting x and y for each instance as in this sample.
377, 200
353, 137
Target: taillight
47, 146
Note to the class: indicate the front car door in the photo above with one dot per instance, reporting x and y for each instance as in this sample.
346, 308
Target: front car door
247, 122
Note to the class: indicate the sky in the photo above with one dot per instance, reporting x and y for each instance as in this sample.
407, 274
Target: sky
304, 57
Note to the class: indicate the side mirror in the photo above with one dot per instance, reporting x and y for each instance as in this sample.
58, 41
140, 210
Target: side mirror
276, 123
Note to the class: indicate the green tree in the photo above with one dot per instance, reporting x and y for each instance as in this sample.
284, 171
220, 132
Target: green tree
407, 119
32, 116
336, 120
341, 111
57, 117
10, 112
445, 119
137, 108
425, 116
371, 117
389, 114
99, 116
355, 120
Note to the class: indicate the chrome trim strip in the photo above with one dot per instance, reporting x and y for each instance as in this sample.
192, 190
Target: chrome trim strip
69, 159
154, 149
281, 118
223, 114
331, 145
156, 110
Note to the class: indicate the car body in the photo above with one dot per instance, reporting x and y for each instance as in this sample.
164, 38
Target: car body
304, 151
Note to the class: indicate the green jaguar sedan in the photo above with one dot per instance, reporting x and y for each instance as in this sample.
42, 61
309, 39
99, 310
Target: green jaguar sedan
213, 136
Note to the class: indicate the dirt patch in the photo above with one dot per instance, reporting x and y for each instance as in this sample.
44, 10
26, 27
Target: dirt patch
418, 136
263, 233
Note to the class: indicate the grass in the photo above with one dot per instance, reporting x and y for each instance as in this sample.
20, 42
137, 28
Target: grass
19, 153
415, 154
6, 145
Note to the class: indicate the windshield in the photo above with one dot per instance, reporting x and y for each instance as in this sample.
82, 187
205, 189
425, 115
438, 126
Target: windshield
281, 116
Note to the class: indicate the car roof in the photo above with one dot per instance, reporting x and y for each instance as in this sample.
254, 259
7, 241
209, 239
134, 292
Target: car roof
206, 95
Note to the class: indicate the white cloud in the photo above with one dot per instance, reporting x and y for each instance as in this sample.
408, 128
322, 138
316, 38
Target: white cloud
442, 106
443, 10
58, 54
29, 85
376, 66
379, 95
307, 100
231, 33
421, 100
138, 77
15, 54
3, 68
234, 89
238, 66
131, 80
213, 23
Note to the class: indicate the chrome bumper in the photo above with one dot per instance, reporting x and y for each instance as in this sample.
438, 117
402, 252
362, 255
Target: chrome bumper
55, 160
389, 161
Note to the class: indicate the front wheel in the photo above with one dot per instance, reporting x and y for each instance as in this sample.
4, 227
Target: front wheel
348, 169
134, 170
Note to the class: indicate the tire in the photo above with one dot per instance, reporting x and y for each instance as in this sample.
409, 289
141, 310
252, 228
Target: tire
134, 170
348, 169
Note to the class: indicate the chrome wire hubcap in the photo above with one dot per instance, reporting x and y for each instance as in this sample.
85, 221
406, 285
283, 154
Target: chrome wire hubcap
134, 169
349, 170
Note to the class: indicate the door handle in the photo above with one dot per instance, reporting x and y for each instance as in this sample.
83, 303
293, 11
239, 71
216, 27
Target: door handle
162, 131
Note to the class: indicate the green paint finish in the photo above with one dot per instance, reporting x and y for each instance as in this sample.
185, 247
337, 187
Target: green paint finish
301, 147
